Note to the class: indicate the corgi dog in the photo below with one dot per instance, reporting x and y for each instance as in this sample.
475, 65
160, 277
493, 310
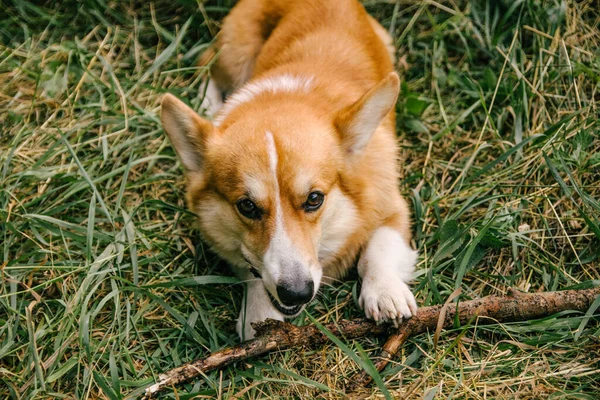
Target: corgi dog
296, 178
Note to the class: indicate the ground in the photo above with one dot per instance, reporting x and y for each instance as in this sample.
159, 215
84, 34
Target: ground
105, 283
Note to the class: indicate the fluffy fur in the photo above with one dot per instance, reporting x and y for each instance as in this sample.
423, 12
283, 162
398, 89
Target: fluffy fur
311, 110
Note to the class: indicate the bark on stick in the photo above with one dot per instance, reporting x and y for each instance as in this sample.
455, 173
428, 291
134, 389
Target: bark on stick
274, 335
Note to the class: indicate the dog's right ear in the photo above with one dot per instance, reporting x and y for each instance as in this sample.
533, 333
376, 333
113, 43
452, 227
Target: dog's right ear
187, 130
358, 122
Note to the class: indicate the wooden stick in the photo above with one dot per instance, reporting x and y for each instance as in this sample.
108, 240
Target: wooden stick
270, 335
388, 351
397, 339
274, 335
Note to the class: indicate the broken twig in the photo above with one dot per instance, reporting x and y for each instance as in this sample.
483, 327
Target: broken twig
274, 335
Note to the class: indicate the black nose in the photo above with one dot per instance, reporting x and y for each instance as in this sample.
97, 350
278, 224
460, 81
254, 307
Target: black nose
294, 295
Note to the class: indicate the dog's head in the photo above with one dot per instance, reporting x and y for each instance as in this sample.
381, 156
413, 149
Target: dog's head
265, 183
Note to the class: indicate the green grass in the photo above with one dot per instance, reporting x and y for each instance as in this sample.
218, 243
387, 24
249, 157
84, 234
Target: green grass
102, 272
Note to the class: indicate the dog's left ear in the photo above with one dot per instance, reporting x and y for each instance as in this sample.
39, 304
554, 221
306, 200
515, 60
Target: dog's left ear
188, 132
358, 122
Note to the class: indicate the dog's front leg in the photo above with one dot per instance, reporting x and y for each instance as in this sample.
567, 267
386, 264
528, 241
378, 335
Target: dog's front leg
213, 98
386, 266
256, 307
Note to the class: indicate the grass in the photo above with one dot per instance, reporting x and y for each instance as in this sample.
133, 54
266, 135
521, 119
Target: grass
104, 278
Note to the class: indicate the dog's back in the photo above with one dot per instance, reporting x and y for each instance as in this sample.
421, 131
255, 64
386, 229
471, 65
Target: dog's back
336, 38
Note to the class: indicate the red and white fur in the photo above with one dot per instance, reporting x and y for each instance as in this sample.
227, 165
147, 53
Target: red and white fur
296, 177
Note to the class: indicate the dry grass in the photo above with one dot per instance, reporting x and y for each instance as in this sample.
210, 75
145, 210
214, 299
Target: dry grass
103, 280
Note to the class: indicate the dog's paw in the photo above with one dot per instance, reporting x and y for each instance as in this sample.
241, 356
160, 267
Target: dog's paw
387, 299
213, 98
255, 313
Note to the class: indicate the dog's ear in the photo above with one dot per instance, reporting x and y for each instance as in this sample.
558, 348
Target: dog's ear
358, 122
187, 130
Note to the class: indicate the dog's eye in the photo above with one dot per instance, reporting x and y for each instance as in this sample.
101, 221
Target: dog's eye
249, 209
314, 201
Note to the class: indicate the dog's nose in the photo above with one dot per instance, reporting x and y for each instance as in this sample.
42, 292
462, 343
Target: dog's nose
294, 295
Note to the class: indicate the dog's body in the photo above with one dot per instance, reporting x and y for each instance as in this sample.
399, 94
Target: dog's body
298, 176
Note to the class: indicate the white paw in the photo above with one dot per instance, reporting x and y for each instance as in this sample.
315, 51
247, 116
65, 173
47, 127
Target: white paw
387, 298
213, 98
257, 309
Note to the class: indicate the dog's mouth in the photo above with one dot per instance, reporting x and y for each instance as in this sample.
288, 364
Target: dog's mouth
289, 311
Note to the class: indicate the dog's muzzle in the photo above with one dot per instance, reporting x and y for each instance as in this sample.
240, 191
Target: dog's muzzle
292, 297
293, 301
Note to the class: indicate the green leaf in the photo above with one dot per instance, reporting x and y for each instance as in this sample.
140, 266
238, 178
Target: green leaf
62, 370
416, 106
491, 240
106, 389
114, 372
448, 230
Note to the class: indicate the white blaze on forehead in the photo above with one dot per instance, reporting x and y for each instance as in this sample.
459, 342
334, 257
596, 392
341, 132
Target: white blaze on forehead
273, 158
282, 260
280, 246
279, 233
276, 84
279, 236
